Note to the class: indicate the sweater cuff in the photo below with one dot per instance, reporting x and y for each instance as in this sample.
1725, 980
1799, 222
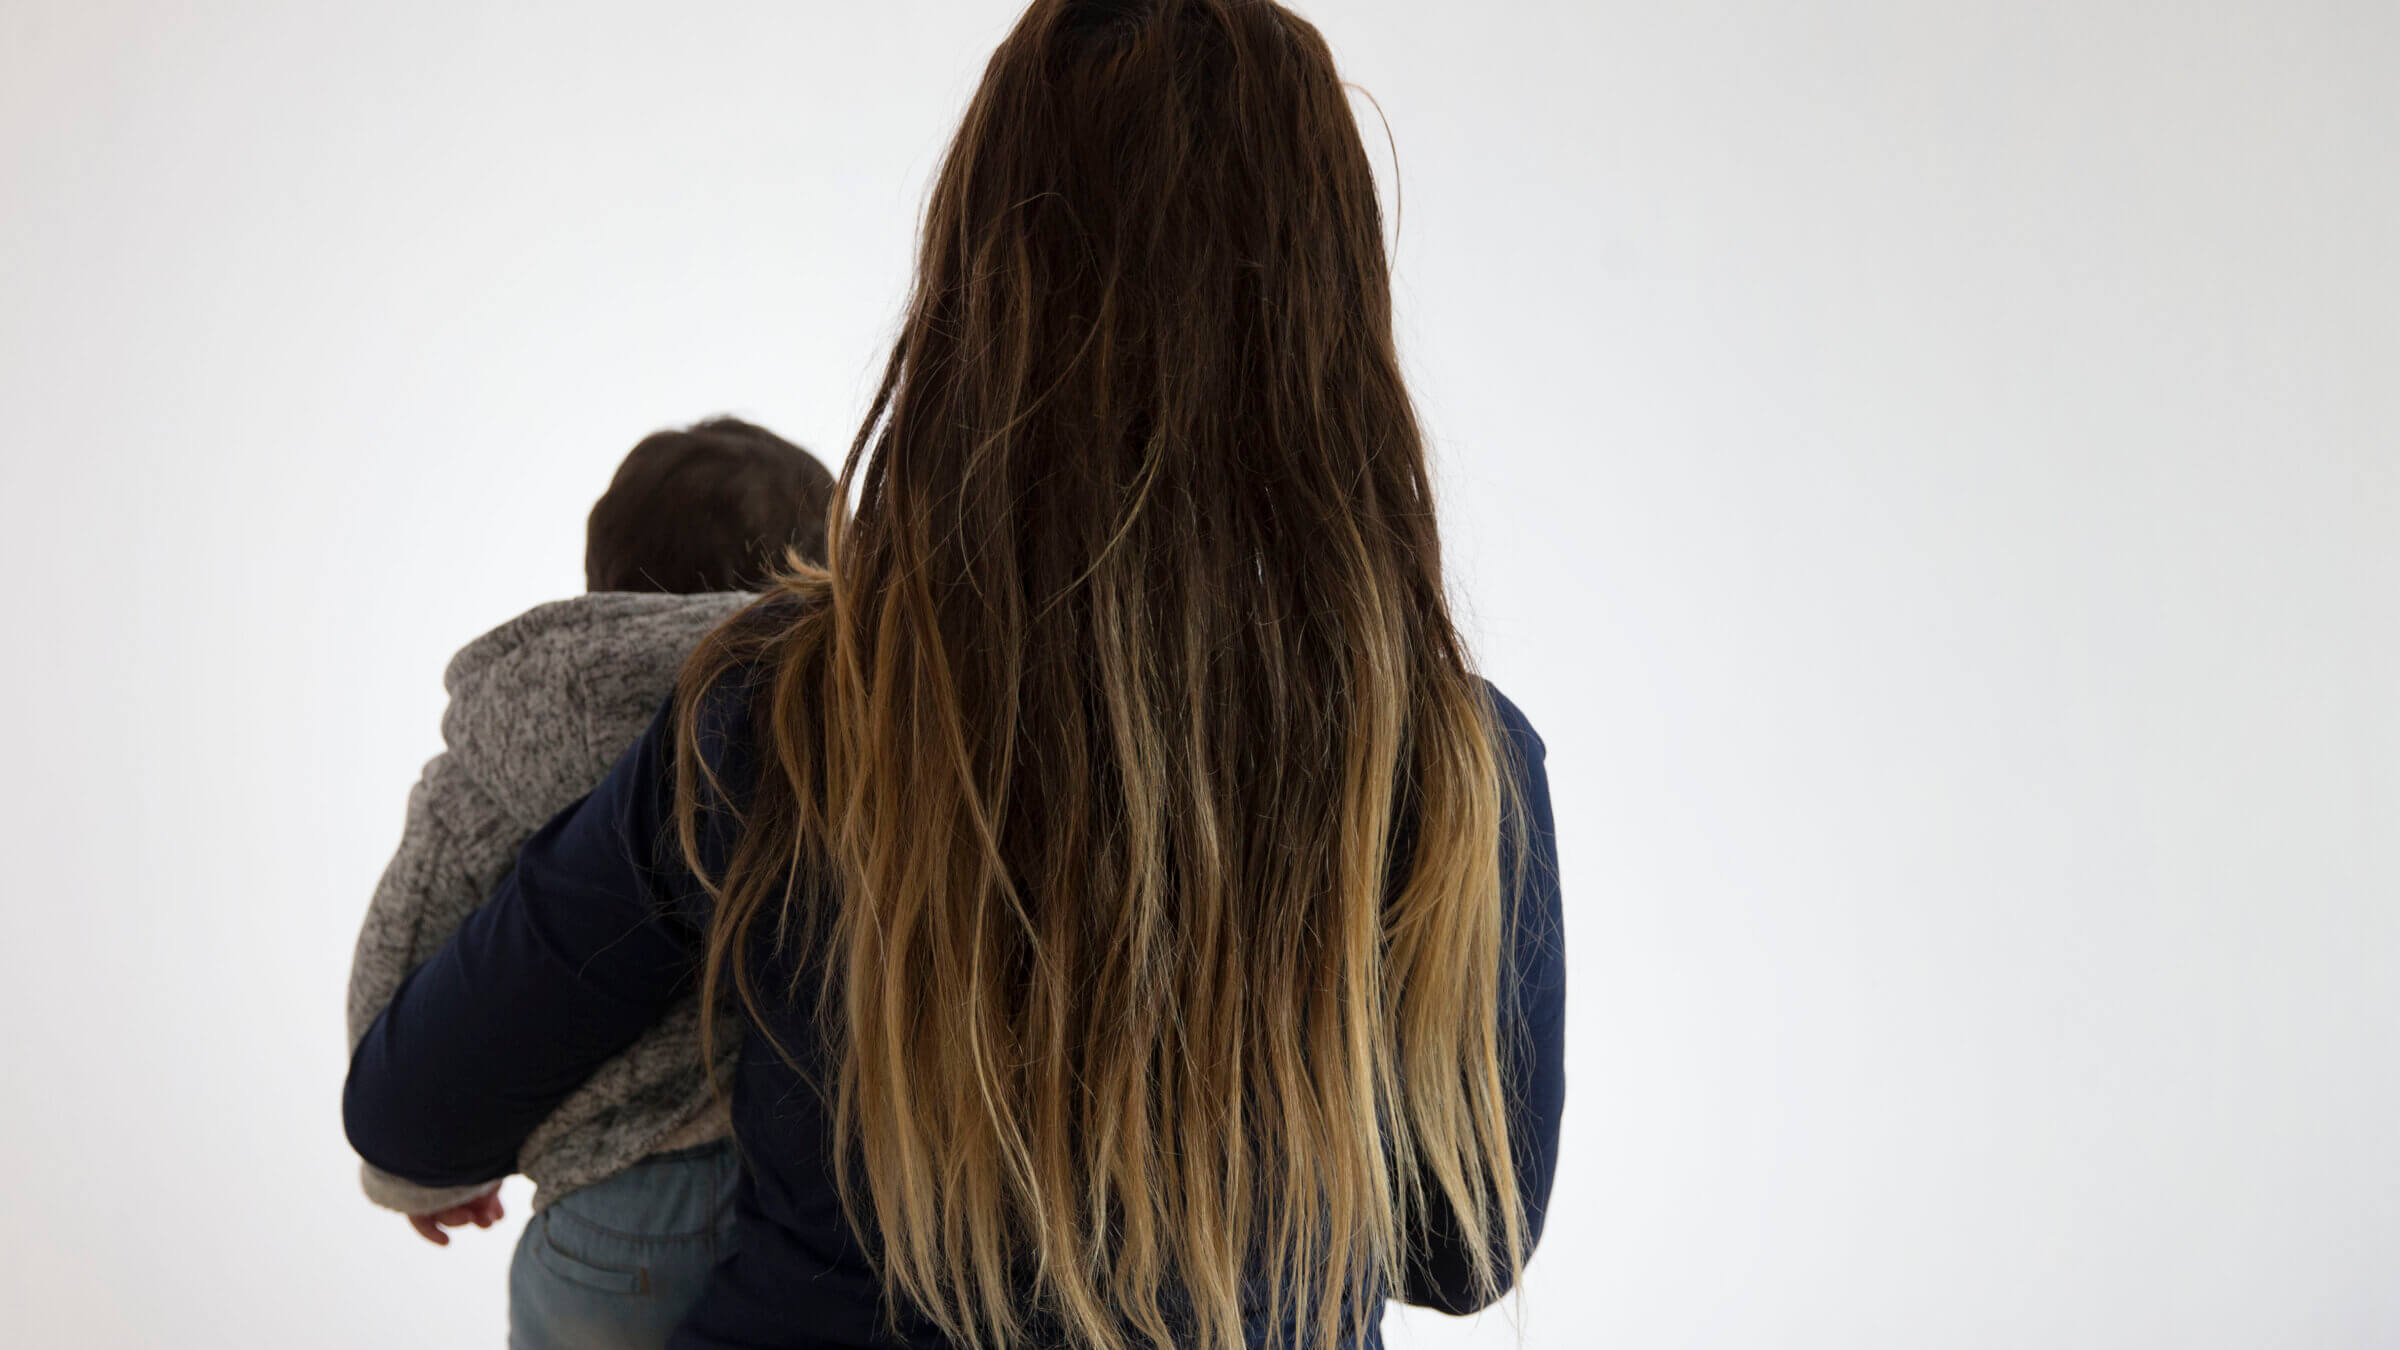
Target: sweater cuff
407, 1197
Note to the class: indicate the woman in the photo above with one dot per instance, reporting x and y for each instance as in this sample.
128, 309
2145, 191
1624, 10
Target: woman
1145, 923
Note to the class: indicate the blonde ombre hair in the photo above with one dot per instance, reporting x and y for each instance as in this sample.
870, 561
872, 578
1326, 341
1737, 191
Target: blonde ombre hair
1123, 780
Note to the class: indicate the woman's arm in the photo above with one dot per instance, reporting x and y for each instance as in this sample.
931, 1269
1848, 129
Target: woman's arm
455, 846
582, 946
1533, 1014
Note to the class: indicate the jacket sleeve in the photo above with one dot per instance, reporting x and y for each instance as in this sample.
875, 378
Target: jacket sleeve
1440, 1268
581, 947
455, 846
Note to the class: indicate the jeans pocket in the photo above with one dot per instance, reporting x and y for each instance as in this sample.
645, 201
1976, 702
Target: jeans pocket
664, 1197
558, 1252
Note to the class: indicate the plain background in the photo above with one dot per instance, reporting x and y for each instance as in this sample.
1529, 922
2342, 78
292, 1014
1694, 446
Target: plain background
1928, 469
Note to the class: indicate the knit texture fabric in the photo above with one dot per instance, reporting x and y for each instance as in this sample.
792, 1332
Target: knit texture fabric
540, 707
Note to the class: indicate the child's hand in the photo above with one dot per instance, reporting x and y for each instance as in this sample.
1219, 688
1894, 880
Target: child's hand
483, 1211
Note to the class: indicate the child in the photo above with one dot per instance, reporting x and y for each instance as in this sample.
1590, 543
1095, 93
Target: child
634, 1174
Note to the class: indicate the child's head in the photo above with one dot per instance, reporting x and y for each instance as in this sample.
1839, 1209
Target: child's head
709, 509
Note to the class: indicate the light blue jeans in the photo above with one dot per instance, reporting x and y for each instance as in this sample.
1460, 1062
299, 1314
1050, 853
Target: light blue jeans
616, 1265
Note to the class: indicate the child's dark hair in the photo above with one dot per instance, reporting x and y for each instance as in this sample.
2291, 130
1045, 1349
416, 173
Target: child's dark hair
708, 509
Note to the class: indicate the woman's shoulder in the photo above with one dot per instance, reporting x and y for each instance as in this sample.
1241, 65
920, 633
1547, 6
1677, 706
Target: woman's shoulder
1512, 722
741, 657
722, 699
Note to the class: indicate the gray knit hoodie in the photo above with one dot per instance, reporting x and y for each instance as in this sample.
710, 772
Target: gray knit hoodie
540, 707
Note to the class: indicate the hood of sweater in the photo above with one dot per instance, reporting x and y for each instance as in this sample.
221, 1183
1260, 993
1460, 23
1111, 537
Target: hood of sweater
539, 706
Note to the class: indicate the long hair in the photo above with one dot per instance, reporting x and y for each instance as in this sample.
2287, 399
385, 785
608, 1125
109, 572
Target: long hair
1123, 774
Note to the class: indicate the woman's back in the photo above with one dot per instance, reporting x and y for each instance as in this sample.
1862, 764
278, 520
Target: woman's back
792, 1216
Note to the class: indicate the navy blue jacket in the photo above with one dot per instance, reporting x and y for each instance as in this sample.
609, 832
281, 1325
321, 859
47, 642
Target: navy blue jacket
598, 929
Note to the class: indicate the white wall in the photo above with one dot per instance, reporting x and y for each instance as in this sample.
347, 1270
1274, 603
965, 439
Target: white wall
1929, 470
